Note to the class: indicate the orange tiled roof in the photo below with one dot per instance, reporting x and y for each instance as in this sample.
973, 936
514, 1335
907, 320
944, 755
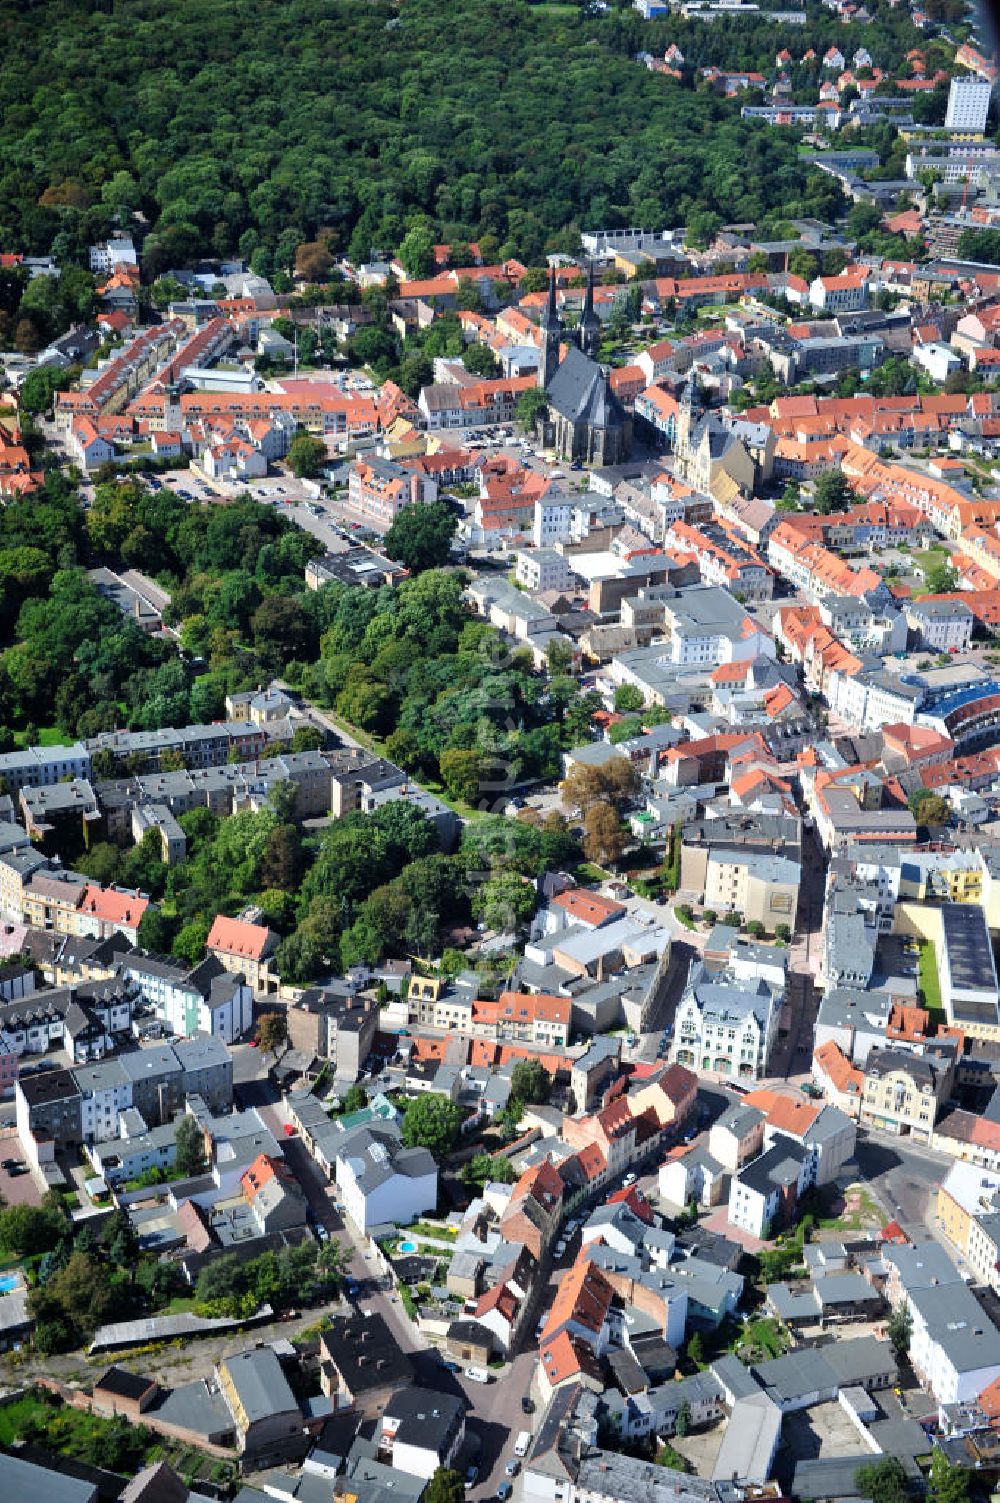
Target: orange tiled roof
792, 1114
586, 907
843, 1076
235, 937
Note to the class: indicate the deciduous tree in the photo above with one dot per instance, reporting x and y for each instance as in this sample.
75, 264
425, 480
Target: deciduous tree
433, 1122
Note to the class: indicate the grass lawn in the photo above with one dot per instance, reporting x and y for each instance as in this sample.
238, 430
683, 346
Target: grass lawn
930, 987
426, 1229
761, 1340
861, 1210
48, 735
181, 1304
588, 872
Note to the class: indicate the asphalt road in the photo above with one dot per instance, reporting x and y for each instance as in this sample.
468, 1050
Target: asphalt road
904, 1178
681, 955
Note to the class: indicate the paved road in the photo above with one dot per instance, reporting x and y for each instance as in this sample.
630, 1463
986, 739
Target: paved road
904, 1178
791, 1058
681, 955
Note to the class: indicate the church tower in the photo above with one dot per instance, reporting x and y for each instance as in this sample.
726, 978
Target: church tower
684, 421
551, 328
590, 324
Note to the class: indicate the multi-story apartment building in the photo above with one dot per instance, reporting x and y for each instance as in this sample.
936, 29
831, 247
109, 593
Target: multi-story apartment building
941, 625
334, 1027
724, 559
525, 1017
762, 888
725, 1026
40, 766
903, 1092
765, 1192
204, 999
968, 103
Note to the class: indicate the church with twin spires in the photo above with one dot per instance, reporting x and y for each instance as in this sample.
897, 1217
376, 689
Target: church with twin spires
585, 422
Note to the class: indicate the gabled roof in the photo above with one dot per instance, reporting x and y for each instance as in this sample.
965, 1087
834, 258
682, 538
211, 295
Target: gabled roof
583, 1298
236, 937
563, 1358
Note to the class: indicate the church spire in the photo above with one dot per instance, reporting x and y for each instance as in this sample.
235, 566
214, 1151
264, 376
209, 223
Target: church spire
590, 324
551, 328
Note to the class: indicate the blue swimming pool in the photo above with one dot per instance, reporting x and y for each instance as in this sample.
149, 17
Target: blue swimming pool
9, 1282
407, 1247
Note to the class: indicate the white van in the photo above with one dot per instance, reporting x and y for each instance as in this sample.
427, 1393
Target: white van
522, 1443
477, 1375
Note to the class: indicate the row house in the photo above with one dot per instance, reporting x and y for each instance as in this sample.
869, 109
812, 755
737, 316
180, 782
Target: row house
379, 489
120, 378
533, 1018
724, 559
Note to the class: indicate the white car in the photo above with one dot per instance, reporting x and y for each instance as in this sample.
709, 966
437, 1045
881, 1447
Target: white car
560, 1249
630, 1179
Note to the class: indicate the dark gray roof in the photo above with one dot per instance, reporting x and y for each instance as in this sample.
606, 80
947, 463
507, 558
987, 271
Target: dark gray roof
366, 1353
779, 1165
22, 1482
579, 391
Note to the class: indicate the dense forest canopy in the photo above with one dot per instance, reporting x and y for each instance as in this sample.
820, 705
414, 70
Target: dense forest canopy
245, 128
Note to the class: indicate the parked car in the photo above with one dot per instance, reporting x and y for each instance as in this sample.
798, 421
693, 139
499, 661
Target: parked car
471, 1475
504, 1491
512, 1468
527, 1405
630, 1179
560, 1248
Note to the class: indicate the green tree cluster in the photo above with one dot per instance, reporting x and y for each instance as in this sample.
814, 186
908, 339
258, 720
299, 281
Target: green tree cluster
296, 1274
226, 154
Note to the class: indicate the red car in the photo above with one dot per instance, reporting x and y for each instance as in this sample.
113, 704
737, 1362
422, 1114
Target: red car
289, 1130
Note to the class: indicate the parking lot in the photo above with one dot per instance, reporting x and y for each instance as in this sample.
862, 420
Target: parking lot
18, 1189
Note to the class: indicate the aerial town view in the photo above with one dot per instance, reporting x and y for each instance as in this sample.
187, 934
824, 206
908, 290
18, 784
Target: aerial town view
499, 751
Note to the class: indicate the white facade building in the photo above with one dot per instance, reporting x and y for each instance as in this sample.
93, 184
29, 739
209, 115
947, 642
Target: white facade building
381, 1182
968, 103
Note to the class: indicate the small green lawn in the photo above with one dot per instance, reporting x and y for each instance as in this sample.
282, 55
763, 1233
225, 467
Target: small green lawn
929, 984
48, 735
861, 1211
761, 1340
426, 1229
181, 1304
588, 872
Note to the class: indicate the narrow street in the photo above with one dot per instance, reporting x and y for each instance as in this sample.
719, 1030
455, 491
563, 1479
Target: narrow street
494, 1409
791, 1059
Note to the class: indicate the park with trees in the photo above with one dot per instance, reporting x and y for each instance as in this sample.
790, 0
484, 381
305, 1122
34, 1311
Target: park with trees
300, 181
